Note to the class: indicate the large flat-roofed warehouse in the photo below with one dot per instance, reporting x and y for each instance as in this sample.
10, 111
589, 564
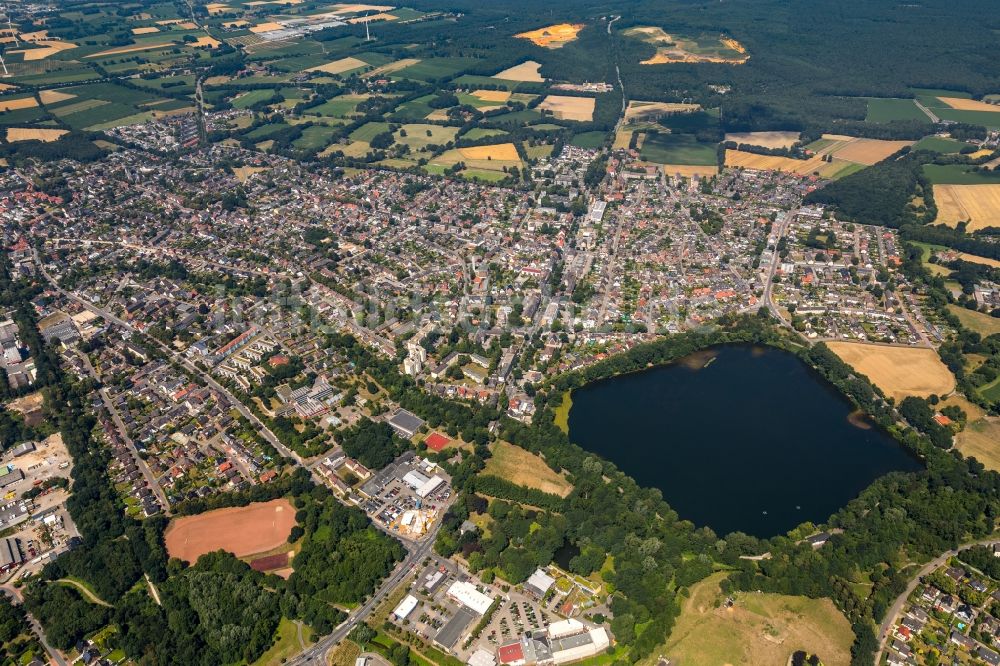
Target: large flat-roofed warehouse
467, 595
10, 554
405, 423
454, 628
566, 641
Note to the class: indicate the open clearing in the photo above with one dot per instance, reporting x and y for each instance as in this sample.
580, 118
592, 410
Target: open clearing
649, 111
970, 104
758, 629
242, 531
764, 139
554, 36
33, 134
243, 173
525, 469
526, 71
899, 371
979, 205
339, 66
570, 108
981, 323
420, 135
981, 440
674, 48
504, 152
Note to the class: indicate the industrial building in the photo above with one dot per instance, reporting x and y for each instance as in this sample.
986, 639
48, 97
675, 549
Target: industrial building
10, 554
405, 607
566, 641
468, 596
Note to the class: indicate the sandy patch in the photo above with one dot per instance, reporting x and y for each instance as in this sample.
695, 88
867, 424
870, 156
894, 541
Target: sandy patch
526, 71
500, 96
30, 133
674, 48
339, 66
899, 371
15, 104
969, 104
501, 151
553, 36
764, 139
979, 205
570, 108
148, 30
242, 531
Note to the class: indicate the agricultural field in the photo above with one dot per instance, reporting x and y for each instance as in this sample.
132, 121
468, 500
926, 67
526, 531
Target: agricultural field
526, 71
525, 469
678, 149
553, 36
981, 440
756, 629
764, 139
419, 136
978, 205
899, 371
242, 531
884, 110
689, 170
959, 174
939, 144
640, 112
678, 48
565, 107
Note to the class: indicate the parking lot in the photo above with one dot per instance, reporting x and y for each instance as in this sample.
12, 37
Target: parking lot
407, 497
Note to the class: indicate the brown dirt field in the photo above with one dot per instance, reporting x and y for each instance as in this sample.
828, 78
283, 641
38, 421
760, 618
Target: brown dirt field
131, 49
54, 96
15, 104
266, 27
639, 111
501, 151
526, 71
339, 66
526, 469
765, 139
977, 204
981, 440
28, 403
899, 371
492, 95
28, 134
392, 67
868, 151
242, 531
50, 47
689, 170
148, 30
565, 107
969, 104
553, 36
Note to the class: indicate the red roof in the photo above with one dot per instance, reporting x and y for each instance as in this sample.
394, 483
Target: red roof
510, 653
436, 441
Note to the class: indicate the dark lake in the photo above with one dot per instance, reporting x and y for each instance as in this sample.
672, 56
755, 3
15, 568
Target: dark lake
737, 438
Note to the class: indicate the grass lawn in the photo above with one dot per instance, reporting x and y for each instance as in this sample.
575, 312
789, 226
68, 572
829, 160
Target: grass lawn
758, 629
589, 139
368, 131
526, 469
315, 137
983, 324
420, 135
338, 107
678, 149
958, 174
483, 175
248, 99
883, 110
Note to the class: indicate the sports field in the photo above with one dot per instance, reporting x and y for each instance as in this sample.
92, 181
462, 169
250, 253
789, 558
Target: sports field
525, 469
757, 629
566, 107
553, 36
242, 531
899, 371
979, 205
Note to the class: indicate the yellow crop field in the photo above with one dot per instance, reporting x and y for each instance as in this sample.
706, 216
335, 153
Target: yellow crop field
33, 134
372, 17
15, 104
526, 71
54, 96
148, 30
764, 139
642, 111
565, 107
392, 67
969, 104
979, 205
266, 27
553, 36
339, 66
899, 371
34, 36
49, 47
505, 152
738, 158
206, 40
500, 96
689, 170
867, 151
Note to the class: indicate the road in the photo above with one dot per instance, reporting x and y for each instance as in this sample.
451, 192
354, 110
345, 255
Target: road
890, 617
783, 221
116, 418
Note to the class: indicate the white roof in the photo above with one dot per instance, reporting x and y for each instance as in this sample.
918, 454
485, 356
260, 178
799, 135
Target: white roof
430, 486
541, 581
405, 607
414, 479
482, 658
467, 595
565, 628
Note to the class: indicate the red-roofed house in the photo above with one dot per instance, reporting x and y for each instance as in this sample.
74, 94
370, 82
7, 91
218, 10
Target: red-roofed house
511, 654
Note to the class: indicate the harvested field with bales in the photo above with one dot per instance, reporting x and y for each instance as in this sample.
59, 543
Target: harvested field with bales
525, 469
899, 371
242, 531
979, 205
764, 139
553, 36
33, 134
526, 71
565, 107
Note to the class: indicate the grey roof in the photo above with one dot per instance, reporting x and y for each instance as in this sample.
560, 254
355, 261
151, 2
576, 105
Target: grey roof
405, 421
453, 630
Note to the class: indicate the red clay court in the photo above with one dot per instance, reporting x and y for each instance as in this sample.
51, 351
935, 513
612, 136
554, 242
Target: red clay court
436, 441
